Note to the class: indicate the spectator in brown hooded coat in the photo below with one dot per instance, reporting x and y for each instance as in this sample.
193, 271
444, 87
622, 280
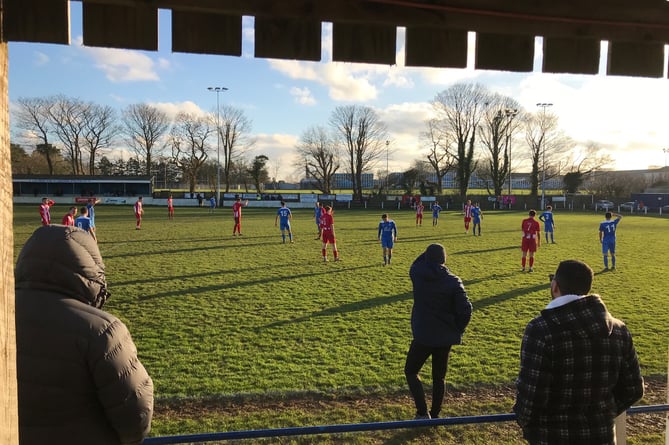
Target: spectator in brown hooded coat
79, 379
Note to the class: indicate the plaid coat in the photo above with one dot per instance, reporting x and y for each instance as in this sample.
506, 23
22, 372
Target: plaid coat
578, 371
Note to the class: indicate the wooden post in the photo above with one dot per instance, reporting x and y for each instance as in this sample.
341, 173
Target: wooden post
666, 431
9, 419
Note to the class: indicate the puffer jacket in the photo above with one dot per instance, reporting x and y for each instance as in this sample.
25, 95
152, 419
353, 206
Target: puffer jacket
79, 378
441, 310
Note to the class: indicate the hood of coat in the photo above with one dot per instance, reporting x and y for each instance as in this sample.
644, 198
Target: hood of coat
424, 270
586, 317
65, 260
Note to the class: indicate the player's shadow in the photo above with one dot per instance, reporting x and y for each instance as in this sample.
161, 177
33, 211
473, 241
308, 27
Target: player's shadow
505, 296
496, 249
240, 284
356, 306
211, 246
182, 277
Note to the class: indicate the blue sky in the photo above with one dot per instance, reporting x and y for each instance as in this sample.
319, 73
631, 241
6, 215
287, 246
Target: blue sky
627, 117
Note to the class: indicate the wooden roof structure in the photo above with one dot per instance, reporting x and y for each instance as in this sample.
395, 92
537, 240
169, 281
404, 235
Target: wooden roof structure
365, 30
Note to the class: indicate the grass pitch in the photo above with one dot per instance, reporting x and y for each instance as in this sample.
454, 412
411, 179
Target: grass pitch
225, 319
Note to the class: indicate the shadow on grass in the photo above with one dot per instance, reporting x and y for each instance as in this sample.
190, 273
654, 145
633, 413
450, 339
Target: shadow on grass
505, 296
215, 244
342, 309
496, 249
180, 277
239, 284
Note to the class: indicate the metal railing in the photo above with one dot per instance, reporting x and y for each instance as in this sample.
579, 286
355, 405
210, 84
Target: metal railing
357, 427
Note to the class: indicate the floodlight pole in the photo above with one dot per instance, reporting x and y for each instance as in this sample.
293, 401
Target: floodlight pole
665, 150
510, 114
387, 170
218, 90
543, 106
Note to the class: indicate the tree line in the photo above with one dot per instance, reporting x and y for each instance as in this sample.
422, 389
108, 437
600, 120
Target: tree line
471, 130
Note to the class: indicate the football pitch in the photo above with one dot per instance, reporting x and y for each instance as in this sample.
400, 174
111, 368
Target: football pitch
244, 323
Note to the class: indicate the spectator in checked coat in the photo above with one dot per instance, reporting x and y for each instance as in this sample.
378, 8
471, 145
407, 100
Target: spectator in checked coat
578, 366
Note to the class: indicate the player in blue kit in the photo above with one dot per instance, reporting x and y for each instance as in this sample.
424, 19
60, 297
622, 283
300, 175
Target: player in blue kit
549, 222
318, 211
477, 215
284, 216
436, 208
387, 236
607, 236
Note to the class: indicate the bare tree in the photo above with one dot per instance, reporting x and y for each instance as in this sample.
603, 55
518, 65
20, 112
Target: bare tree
439, 155
320, 154
235, 139
100, 128
32, 115
363, 137
258, 172
547, 144
416, 176
189, 142
589, 160
144, 126
460, 108
500, 122
67, 117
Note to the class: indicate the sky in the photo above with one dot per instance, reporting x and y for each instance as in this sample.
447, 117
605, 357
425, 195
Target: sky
626, 117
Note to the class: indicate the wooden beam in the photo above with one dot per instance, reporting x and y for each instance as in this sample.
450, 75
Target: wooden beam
436, 47
43, 21
9, 412
504, 52
139, 25
281, 38
364, 44
576, 56
202, 33
635, 59
641, 20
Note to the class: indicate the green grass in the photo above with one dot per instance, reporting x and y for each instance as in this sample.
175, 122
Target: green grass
228, 319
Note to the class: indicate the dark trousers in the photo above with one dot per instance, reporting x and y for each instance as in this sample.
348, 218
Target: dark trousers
416, 358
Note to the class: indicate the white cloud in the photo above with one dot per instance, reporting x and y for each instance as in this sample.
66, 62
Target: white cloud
284, 161
303, 96
41, 59
120, 65
173, 108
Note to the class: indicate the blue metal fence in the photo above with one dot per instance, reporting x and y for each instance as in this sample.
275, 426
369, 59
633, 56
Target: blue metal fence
356, 427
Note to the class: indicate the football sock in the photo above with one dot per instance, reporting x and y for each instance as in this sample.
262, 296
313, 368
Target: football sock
606, 262
336, 254
531, 262
324, 253
613, 261
523, 261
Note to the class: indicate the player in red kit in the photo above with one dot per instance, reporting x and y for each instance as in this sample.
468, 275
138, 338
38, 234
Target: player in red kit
139, 211
328, 233
68, 219
170, 207
467, 210
419, 213
45, 211
531, 239
237, 214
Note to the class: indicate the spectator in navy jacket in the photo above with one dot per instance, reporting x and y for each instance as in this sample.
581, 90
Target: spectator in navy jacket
440, 314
